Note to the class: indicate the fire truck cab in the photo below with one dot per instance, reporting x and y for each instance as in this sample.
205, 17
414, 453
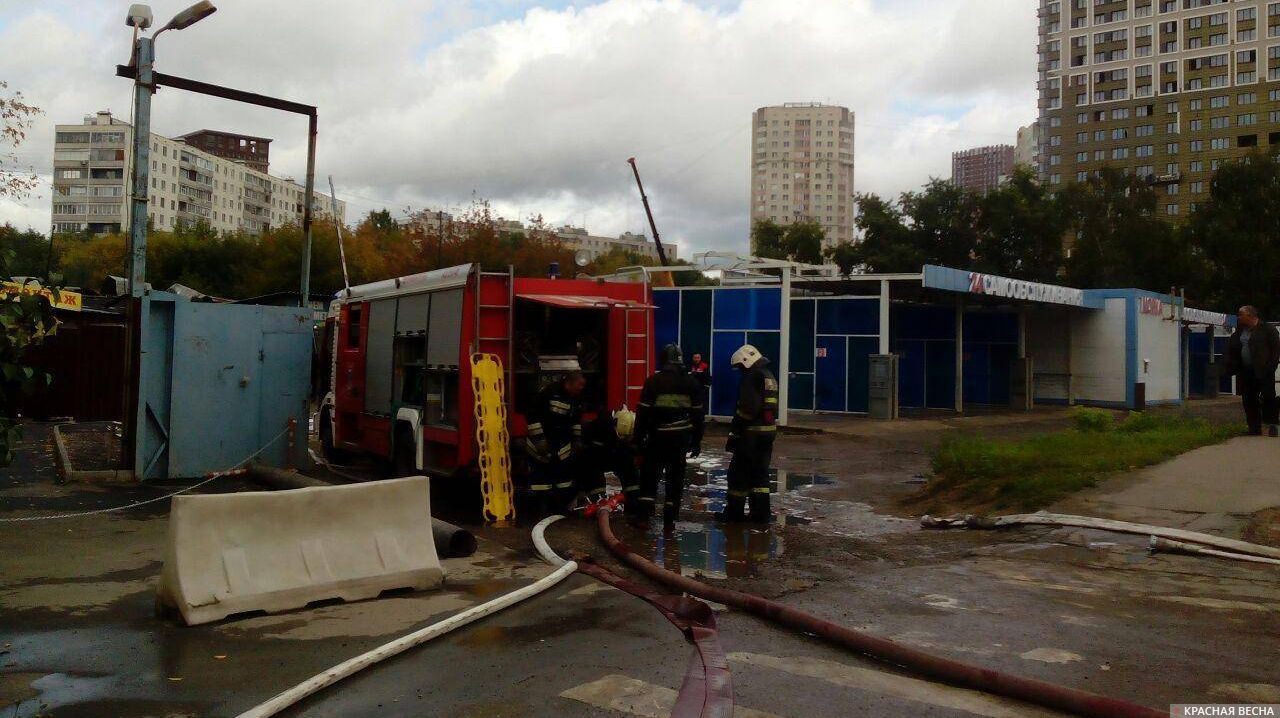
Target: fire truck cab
399, 383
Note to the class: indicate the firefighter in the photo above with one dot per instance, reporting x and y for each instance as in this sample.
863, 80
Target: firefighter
751, 437
669, 423
609, 450
554, 442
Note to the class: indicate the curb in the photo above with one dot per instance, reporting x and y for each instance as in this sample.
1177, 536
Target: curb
107, 476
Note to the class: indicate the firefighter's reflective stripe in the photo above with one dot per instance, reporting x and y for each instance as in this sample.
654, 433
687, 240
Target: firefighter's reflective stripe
763, 429
565, 485
560, 407
565, 452
577, 431
760, 490
535, 429
630, 489
738, 493
648, 500
771, 400
540, 487
674, 401
676, 426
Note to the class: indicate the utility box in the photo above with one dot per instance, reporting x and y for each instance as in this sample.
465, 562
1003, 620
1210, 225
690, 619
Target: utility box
883, 386
1212, 375
1021, 393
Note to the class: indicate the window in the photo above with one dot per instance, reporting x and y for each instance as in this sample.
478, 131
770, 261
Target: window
1220, 143
1171, 209
353, 325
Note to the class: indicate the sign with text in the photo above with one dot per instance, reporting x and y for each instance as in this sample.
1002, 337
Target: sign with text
1151, 306
996, 286
61, 299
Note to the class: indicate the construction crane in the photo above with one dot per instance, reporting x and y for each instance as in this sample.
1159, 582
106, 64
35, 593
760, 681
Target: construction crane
657, 241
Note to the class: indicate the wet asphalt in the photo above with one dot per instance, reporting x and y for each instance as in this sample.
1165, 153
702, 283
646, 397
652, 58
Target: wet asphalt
79, 635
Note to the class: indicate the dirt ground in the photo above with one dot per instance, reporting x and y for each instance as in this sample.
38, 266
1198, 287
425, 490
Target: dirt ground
1086, 609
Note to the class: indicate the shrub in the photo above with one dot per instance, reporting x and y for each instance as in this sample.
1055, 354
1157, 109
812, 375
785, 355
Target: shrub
1092, 420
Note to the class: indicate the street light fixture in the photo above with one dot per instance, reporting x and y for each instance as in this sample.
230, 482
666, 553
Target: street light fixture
190, 16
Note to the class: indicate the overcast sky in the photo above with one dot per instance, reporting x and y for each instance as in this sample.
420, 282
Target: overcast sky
537, 106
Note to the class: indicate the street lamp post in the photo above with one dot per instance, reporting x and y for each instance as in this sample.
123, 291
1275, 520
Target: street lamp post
146, 81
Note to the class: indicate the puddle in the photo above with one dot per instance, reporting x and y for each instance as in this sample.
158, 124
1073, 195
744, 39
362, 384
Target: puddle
713, 550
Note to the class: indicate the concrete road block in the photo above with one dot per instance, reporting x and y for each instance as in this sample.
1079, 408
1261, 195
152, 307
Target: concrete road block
279, 550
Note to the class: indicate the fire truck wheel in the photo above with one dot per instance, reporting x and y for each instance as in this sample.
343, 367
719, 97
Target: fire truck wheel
331, 452
403, 459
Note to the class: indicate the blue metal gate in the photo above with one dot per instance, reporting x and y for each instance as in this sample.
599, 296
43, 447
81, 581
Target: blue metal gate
217, 383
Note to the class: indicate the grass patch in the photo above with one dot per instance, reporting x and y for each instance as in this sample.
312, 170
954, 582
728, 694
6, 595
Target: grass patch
975, 472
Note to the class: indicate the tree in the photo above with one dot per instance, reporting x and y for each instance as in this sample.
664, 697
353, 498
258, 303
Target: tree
1020, 230
767, 239
1238, 230
25, 318
1119, 240
30, 251
16, 117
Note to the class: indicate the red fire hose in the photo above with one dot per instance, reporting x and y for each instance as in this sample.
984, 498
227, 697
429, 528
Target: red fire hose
930, 666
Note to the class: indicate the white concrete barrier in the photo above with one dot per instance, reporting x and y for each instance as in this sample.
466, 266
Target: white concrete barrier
278, 550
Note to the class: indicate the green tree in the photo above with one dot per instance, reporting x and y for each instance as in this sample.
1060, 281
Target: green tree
26, 319
943, 223
1020, 230
768, 239
30, 251
803, 242
1118, 239
1238, 230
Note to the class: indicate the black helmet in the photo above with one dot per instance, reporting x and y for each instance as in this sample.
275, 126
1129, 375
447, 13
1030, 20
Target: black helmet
672, 356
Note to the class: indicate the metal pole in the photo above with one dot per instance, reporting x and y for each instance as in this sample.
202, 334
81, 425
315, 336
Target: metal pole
342, 253
784, 353
143, 87
305, 289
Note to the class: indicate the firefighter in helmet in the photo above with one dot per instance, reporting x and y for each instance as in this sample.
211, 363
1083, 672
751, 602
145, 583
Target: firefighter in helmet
669, 423
554, 442
751, 437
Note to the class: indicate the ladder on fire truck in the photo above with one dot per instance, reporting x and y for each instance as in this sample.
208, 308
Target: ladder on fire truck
501, 345
636, 324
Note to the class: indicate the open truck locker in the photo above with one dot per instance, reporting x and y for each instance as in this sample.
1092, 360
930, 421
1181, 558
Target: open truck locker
400, 372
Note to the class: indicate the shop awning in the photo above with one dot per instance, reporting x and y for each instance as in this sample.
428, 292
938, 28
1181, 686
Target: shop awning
575, 301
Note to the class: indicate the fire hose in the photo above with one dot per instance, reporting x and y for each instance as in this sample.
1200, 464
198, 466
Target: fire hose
707, 690
400, 645
930, 666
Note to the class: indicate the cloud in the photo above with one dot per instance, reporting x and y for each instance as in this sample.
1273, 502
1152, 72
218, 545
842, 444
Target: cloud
426, 103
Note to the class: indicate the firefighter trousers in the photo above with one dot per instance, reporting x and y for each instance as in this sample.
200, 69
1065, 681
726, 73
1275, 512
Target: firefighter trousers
664, 458
554, 483
749, 477
601, 459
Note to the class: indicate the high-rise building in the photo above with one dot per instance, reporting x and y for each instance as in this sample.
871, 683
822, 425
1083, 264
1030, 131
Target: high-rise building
802, 167
1166, 89
982, 169
91, 166
1028, 146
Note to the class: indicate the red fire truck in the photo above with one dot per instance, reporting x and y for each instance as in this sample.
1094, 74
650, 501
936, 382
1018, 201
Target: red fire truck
399, 384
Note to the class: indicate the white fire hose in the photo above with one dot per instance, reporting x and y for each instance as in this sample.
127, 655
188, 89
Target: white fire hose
347, 668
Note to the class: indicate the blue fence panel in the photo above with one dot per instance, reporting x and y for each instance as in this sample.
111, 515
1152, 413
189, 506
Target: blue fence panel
940, 375
831, 374
911, 321
666, 317
802, 354
911, 375
748, 309
991, 327
859, 376
800, 392
695, 323
849, 316
724, 379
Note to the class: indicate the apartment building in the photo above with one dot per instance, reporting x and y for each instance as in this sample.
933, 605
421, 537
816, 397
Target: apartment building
982, 169
802, 167
91, 166
1165, 89
1026, 151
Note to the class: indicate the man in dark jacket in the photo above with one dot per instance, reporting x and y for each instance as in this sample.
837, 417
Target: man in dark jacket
554, 442
751, 438
669, 424
1253, 353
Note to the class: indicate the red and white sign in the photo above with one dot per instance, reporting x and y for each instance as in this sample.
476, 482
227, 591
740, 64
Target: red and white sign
1152, 306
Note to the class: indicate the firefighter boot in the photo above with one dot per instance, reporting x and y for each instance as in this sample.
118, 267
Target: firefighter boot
760, 513
734, 506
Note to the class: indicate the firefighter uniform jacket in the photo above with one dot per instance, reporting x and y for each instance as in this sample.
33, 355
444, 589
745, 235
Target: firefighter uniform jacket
670, 406
555, 426
757, 410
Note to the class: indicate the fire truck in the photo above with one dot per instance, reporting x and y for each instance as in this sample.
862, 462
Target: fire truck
399, 384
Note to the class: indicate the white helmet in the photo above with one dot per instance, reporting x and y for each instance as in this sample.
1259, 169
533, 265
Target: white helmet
746, 357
